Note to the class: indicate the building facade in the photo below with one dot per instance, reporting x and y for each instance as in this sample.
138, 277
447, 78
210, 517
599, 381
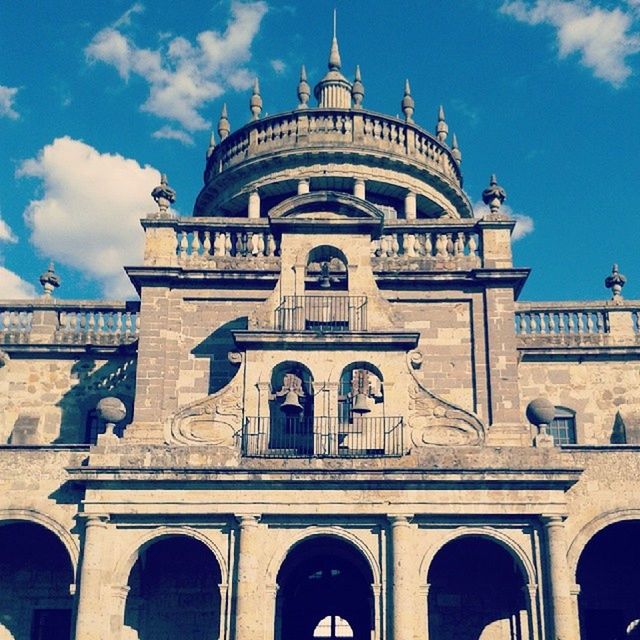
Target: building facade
329, 415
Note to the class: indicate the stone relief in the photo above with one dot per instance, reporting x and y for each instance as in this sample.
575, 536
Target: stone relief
435, 422
212, 420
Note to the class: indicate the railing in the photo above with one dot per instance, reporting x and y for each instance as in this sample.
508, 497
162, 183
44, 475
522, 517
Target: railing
323, 314
562, 320
318, 127
41, 321
299, 437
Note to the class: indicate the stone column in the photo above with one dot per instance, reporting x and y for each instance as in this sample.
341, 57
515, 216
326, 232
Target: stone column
303, 186
410, 210
359, 189
249, 596
424, 599
116, 624
404, 603
565, 623
91, 614
254, 204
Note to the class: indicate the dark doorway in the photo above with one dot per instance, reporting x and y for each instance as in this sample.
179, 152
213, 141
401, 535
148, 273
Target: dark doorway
324, 592
174, 592
609, 578
477, 591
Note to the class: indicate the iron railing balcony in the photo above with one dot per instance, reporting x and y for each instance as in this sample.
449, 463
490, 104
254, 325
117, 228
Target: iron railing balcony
322, 314
322, 437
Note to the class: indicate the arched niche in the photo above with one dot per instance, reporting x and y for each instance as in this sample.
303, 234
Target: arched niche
326, 270
477, 589
360, 392
36, 574
324, 590
174, 591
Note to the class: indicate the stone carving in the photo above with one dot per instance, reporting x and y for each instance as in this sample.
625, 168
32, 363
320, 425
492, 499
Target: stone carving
215, 419
4, 358
433, 421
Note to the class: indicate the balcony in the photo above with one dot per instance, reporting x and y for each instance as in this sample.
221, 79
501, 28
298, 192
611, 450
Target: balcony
322, 437
322, 314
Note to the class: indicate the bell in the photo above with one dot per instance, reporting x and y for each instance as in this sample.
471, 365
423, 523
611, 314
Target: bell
325, 280
291, 404
360, 404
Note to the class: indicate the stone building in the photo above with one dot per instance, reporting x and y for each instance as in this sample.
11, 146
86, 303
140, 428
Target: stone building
329, 415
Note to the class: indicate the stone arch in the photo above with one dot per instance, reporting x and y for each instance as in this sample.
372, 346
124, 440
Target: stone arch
589, 530
126, 563
60, 531
280, 555
511, 546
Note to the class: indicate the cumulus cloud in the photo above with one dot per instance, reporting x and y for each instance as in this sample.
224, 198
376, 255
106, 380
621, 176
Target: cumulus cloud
168, 133
7, 99
13, 287
279, 66
88, 215
6, 234
603, 38
524, 223
183, 76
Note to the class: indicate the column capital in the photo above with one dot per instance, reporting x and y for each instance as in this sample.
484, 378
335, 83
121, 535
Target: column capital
94, 519
400, 519
553, 520
121, 591
246, 520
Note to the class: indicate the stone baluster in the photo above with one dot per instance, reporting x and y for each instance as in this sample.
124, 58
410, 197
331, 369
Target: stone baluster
408, 242
218, 244
184, 244
395, 245
195, 243
206, 243
473, 245
271, 245
522, 323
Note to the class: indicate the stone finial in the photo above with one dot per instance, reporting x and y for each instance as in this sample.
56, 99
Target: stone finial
223, 123
304, 90
494, 195
615, 282
335, 63
255, 104
164, 195
112, 411
212, 145
50, 281
541, 412
442, 128
357, 89
455, 150
408, 103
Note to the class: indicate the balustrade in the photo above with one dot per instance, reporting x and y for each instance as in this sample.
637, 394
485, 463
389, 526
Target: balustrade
15, 325
204, 243
440, 245
562, 321
97, 325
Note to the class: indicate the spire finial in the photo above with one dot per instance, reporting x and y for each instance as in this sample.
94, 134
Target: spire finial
334, 55
212, 145
442, 129
357, 89
49, 281
164, 195
223, 123
304, 90
615, 282
455, 150
408, 103
494, 195
255, 104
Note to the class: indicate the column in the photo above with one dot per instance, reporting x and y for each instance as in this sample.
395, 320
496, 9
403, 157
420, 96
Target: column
424, 598
410, 206
405, 614
249, 596
91, 614
565, 623
359, 189
254, 204
116, 624
303, 186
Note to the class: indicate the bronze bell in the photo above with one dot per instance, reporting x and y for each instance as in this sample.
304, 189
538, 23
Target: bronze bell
291, 404
325, 280
360, 404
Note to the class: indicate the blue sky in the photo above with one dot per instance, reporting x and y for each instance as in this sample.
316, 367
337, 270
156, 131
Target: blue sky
95, 98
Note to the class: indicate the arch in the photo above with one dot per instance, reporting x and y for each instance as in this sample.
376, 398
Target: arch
326, 252
360, 383
280, 555
126, 563
60, 531
511, 546
589, 530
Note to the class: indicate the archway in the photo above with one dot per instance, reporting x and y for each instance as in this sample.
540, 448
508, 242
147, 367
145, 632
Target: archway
174, 592
477, 592
609, 578
35, 578
324, 591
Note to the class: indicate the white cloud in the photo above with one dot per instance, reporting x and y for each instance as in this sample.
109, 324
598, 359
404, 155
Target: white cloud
182, 76
604, 38
13, 287
6, 234
167, 133
279, 66
88, 216
7, 98
524, 223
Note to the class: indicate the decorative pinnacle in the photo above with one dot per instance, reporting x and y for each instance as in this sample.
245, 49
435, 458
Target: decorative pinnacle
164, 195
455, 150
255, 104
442, 129
408, 103
494, 195
49, 280
304, 91
615, 282
212, 145
357, 89
223, 123
334, 55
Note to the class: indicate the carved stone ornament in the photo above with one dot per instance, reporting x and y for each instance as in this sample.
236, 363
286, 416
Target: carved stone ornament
435, 422
213, 420
4, 358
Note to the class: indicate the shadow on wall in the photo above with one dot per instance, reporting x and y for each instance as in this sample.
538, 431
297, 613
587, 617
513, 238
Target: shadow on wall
216, 348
